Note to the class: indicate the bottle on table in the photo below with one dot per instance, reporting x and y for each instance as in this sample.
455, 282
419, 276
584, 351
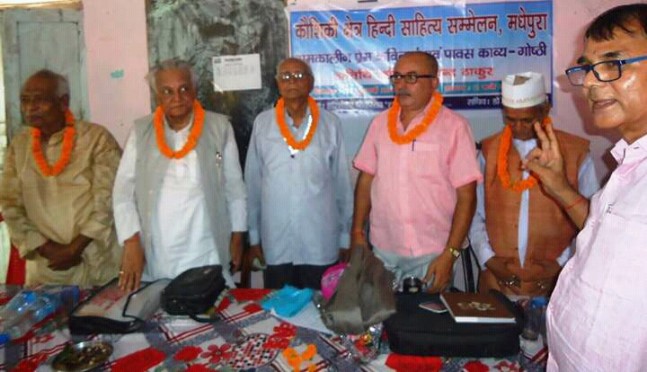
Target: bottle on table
30, 307
532, 337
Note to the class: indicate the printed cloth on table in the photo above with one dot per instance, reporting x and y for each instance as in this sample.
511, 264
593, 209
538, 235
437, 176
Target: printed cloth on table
249, 337
288, 301
249, 294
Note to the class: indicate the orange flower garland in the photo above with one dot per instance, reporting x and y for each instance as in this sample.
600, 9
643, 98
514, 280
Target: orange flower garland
419, 129
502, 163
285, 131
66, 150
191, 141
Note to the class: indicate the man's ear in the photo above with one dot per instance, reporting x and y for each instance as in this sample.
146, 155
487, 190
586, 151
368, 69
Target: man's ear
64, 101
547, 107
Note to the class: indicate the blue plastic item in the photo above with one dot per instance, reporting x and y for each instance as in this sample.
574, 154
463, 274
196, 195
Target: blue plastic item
288, 301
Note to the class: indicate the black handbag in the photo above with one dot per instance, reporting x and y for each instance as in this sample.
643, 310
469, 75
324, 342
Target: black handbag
111, 310
194, 292
415, 331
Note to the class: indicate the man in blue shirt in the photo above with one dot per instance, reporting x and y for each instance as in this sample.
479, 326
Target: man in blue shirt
299, 191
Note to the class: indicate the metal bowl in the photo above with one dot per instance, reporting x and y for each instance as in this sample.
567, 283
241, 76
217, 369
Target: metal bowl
82, 356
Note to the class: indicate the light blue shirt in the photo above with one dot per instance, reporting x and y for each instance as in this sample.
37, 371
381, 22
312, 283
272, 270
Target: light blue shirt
587, 183
300, 207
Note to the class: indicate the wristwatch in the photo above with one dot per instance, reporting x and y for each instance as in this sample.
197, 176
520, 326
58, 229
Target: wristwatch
454, 252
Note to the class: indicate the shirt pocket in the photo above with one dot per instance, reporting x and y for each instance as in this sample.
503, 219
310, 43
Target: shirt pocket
426, 159
620, 241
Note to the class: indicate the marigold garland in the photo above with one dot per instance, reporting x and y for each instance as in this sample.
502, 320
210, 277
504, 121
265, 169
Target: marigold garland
66, 150
191, 141
505, 143
285, 131
419, 129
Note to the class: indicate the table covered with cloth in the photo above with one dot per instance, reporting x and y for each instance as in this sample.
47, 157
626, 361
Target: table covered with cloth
247, 338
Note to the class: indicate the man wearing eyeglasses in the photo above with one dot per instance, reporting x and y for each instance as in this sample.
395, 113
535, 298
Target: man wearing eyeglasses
520, 235
299, 192
418, 175
596, 315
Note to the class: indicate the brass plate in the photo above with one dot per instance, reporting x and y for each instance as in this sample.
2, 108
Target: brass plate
82, 356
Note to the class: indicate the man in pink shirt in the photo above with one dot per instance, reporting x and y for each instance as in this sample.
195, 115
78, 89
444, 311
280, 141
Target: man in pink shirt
596, 317
418, 174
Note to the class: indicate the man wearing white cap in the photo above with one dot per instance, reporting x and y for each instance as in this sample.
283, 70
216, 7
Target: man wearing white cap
525, 239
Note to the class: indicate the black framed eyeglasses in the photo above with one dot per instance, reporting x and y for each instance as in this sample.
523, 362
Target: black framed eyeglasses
604, 71
409, 78
295, 76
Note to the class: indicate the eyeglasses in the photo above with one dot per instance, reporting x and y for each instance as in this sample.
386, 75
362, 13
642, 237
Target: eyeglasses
604, 71
287, 76
409, 78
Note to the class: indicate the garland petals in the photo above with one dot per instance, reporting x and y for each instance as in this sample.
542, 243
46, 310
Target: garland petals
66, 150
191, 141
419, 129
505, 142
285, 131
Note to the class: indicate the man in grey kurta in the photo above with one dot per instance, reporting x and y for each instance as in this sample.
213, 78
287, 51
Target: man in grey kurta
298, 184
179, 197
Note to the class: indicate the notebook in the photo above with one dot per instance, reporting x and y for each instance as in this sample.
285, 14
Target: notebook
476, 308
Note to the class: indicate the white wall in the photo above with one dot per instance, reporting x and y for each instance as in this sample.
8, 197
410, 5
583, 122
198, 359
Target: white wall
115, 34
117, 61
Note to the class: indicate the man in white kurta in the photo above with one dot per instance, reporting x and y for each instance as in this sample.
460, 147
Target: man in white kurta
179, 195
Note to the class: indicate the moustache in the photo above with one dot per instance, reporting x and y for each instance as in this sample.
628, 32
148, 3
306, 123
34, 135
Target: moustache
403, 92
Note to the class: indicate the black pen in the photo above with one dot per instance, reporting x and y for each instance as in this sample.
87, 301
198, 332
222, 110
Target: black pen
413, 144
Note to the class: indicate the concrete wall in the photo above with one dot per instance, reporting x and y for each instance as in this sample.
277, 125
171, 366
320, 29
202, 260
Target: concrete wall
117, 60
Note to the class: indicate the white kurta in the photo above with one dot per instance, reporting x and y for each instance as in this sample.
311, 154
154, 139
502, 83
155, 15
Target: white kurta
182, 238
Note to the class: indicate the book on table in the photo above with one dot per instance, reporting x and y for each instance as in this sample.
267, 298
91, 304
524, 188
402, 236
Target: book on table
476, 308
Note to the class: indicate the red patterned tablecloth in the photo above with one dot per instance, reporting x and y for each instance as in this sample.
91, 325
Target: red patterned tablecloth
248, 338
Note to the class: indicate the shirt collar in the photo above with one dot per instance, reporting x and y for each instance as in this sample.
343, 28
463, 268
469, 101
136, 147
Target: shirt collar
528, 142
625, 153
421, 114
290, 121
58, 136
181, 131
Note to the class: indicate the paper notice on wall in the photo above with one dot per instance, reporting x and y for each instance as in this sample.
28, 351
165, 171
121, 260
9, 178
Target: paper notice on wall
240, 72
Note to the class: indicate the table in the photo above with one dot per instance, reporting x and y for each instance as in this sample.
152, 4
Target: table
247, 338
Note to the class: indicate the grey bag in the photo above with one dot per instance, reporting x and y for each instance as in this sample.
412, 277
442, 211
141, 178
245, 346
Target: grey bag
364, 295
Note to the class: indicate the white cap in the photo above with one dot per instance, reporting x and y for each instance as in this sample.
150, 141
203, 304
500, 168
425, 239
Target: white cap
526, 89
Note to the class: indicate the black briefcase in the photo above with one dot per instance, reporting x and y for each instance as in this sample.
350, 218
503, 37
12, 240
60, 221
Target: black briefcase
415, 331
194, 291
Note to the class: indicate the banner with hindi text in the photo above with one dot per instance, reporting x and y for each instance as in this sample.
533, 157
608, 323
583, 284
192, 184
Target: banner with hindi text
352, 51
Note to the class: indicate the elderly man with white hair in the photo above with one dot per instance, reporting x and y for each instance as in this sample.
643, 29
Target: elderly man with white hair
56, 189
179, 197
521, 236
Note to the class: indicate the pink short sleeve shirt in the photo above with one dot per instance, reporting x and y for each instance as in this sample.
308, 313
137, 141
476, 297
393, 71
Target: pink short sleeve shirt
413, 194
